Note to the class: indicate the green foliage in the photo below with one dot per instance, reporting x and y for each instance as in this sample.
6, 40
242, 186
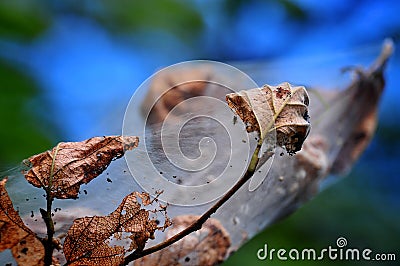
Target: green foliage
22, 22
21, 133
293, 10
177, 17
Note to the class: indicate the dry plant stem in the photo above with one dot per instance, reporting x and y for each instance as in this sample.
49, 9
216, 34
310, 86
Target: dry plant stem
199, 222
46, 215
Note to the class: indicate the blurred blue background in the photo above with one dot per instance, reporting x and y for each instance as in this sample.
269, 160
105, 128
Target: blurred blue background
68, 67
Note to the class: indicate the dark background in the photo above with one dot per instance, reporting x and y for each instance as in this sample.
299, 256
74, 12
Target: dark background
67, 67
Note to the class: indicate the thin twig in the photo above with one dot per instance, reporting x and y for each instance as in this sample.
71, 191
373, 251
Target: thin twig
199, 222
46, 215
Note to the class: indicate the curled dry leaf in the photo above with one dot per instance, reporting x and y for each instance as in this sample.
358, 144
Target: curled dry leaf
102, 240
207, 246
283, 108
171, 87
25, 247
72, 164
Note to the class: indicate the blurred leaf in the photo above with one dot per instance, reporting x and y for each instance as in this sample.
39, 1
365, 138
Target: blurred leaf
177, 17
20, 134
232, 7
293, 10
208, 246
22, 21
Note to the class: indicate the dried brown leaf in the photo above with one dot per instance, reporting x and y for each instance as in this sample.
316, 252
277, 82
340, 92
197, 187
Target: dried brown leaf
97, 240
171, 87
15, 235
208, 246
282, 107
72, 164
